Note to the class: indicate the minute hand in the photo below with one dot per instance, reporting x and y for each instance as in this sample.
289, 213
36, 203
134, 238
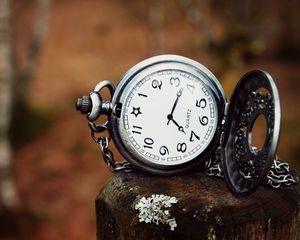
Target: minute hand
170, 116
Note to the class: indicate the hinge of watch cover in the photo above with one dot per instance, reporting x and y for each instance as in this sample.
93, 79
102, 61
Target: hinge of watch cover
224, 120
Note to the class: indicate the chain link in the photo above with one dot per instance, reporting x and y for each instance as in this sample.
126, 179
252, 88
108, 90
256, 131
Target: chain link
278, 175
108, 156
213, 166
104, 108
213, 170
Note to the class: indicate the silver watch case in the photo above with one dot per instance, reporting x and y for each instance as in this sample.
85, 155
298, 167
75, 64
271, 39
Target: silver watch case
143, 69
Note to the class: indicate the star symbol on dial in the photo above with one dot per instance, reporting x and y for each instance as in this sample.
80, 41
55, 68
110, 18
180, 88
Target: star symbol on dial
136, 111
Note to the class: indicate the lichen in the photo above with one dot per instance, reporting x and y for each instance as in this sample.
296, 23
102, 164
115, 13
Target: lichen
219, 220
154, 209
211, 233
203, 213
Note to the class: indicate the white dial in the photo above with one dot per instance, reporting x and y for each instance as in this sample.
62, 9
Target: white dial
169, 117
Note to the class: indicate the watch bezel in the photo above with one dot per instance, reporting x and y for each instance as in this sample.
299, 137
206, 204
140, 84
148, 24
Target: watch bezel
153, 64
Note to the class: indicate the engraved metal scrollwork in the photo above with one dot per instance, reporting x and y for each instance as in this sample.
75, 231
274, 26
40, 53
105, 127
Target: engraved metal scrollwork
251, 160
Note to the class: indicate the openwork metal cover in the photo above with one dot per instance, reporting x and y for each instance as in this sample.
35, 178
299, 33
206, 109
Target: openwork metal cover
245, 166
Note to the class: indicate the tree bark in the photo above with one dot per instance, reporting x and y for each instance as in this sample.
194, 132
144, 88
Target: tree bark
200, 207
8, 191
13, 92
38, 35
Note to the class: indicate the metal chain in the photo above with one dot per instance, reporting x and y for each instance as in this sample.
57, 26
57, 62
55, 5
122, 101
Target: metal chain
278, 175
213, 166
108, 156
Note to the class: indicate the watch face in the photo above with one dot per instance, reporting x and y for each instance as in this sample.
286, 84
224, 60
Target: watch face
169, 115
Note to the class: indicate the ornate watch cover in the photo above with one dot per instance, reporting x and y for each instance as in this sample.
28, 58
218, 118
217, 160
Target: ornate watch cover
245, 167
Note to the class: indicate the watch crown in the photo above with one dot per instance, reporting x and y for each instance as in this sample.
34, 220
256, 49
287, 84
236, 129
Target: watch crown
84, 104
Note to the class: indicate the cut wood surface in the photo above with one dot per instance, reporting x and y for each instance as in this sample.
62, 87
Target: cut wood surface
199, 207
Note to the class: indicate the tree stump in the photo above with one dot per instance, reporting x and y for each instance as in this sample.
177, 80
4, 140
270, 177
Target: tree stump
139, 206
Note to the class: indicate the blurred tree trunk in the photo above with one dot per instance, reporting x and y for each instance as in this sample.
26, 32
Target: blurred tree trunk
39, 29
11, 96
156, 18
8, 191
198, 14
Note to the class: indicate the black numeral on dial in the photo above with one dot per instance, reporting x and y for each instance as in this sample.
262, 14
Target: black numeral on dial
201, 103
203, 120
181, 147
193, 135
142, 95
156, 84
137, 129
148, 143
163, 150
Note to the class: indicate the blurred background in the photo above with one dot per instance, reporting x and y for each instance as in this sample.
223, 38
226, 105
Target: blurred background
51, 52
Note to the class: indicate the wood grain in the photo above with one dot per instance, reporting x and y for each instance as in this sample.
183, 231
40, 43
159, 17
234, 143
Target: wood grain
205, 209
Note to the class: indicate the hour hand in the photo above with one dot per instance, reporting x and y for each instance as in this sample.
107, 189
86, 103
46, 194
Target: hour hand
170, 118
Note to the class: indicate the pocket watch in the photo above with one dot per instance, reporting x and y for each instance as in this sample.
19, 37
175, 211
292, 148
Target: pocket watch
168, 115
